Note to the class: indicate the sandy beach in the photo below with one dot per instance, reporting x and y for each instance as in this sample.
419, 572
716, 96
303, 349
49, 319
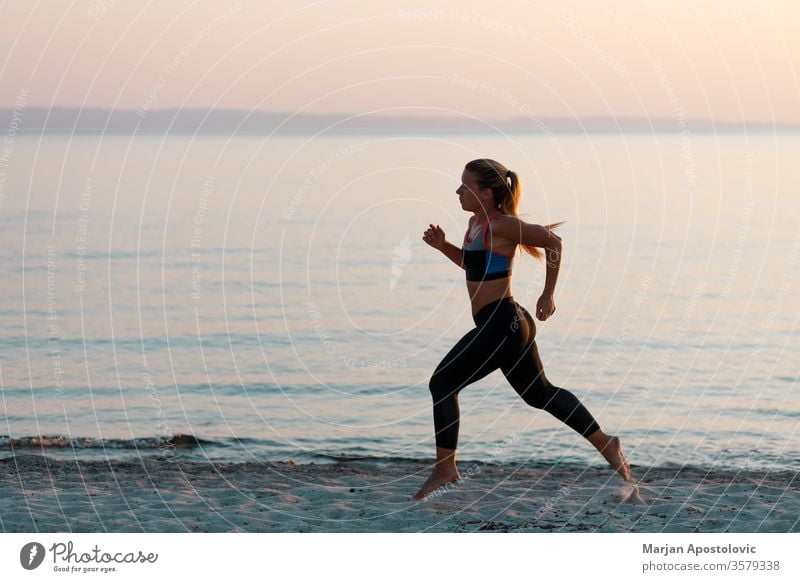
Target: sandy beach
40, 494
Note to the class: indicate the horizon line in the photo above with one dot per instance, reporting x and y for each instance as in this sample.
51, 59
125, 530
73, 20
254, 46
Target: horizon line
61, 118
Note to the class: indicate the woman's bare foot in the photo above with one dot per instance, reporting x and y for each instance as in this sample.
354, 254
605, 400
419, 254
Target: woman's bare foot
437, 479
612, 451
444, 472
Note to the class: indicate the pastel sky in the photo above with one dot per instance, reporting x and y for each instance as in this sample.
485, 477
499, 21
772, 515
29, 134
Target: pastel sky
708, 59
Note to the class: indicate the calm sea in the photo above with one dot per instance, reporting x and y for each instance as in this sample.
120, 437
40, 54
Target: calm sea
272, 299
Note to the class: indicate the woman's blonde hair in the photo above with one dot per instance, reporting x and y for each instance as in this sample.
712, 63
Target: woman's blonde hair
507, 190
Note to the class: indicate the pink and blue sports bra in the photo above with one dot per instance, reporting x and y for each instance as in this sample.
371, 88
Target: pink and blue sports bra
481, 261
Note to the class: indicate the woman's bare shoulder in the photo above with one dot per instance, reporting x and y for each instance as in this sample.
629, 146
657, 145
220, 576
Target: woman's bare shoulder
507, 226
519, 231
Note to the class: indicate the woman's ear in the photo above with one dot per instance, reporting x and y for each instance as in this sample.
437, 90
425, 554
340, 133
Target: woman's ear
488, 197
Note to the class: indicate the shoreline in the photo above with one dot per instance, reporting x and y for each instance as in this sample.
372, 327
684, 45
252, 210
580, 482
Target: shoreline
43, 494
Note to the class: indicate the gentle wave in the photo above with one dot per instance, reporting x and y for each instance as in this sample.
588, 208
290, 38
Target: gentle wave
189, 448
218, 340
65, 442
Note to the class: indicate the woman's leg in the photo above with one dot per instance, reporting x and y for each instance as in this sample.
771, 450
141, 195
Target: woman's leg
526, 374
473, 357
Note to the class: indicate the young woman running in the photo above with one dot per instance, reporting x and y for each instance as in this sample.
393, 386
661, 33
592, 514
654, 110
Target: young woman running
504, 333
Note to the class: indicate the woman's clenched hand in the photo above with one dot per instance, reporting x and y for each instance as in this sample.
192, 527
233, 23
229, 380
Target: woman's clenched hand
434, 236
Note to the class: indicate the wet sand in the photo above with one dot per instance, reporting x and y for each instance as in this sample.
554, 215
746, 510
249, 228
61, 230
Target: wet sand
41, 494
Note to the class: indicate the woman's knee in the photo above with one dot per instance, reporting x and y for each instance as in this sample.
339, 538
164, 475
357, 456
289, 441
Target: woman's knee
439, 385
538, 393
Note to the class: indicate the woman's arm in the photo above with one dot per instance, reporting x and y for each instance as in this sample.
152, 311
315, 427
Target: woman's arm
519, 231
434, 236
553, 262
453, 253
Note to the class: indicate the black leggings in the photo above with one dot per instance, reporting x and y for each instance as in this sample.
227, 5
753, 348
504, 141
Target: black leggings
503, 338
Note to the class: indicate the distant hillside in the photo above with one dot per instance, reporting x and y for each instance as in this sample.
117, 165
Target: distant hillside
227, 121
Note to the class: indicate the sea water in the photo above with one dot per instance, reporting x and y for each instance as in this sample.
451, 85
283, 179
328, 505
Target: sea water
271, 298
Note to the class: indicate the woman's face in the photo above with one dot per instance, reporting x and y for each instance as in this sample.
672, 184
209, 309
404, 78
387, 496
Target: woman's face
472, 199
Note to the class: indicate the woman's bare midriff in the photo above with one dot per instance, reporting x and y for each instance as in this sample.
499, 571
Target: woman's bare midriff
482, 293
